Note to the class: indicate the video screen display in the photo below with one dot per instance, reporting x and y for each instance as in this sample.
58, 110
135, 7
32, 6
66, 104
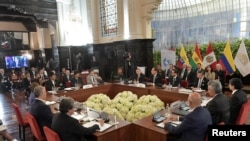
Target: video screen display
16, 61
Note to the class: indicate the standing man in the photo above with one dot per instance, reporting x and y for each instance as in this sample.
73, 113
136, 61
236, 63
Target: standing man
127, 63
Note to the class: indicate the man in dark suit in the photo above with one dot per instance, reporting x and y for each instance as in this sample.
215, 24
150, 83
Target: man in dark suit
33, 73
66, 79
183, 72
191, 75
52, 83
218, 107
193, 127
174, 79
68, 128
200, 81
76, 80
155, 78
238, 98
139, 76
40, 110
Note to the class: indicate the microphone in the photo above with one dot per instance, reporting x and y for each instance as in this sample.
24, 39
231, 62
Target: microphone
102, 115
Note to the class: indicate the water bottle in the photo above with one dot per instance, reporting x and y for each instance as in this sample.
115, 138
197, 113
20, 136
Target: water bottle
167, 110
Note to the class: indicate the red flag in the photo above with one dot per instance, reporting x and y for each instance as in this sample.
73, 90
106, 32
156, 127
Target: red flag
179, 63
210, 58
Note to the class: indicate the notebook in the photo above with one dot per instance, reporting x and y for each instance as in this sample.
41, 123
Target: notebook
102, 128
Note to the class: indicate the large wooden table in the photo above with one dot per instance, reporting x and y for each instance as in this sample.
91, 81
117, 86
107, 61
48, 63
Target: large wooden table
146, 130
141, 130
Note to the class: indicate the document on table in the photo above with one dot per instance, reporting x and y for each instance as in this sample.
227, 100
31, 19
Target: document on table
102, 128
174, 123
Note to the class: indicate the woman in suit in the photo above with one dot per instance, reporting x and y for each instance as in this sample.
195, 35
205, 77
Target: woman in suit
193, 126
238, 98
218, 107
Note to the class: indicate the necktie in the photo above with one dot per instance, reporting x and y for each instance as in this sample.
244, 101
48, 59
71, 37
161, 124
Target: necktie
199, 83
93, 79
173, 81
154, 79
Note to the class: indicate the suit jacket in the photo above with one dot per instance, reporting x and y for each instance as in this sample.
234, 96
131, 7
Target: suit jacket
42, 114
66, 79
175, 83
190, 78
75, 81
221, 75
49, 85
141, 78
219, 108
69, 129
158, 79
26, 83
193, 127
236, 101
184, 74
203, 83
89, 79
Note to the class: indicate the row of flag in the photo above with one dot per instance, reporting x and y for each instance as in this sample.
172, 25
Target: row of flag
240, 61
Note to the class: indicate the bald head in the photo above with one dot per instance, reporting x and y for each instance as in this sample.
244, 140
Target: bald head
194, 100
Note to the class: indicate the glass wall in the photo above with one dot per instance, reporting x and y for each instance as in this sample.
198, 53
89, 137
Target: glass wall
190, 21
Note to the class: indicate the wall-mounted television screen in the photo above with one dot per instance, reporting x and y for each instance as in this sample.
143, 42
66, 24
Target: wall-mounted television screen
16, 61
14, 40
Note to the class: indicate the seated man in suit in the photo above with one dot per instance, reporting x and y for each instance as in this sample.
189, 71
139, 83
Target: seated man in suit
193, 127
52, 83
201, 81
76, 80
40, 110
69, 128
191, 75
174, 79
155, 78
238, 98
66, 80
93, 78
218, 107
139, 76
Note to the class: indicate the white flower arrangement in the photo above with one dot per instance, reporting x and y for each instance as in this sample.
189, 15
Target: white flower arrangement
123, 102
144, 106
98, 101
126, 105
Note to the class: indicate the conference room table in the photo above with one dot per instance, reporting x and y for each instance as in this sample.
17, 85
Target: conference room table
141, 130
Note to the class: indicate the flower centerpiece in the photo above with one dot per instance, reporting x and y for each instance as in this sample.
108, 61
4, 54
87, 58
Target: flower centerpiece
98, 101
144, 106
123, 102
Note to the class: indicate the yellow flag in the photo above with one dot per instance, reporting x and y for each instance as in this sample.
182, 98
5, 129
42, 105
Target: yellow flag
183, 55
